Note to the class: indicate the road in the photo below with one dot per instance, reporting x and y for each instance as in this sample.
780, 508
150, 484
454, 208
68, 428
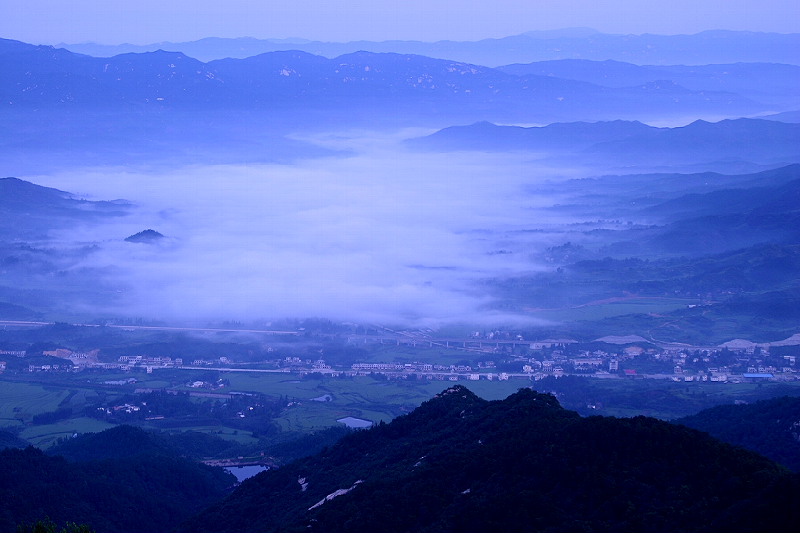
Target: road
31, 324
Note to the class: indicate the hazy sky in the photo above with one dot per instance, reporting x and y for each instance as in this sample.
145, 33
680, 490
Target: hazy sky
148, 21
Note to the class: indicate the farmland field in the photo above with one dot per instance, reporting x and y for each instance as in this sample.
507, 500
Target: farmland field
44, 436
19, 402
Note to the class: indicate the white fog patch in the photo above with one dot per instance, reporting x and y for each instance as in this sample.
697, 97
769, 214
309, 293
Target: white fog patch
385, 235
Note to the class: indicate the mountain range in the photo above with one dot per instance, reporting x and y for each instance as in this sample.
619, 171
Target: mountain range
631, 142
776, 81
571, 43
358, 84
168, 107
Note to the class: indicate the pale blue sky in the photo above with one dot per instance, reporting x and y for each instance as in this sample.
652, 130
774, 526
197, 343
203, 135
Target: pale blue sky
147, 21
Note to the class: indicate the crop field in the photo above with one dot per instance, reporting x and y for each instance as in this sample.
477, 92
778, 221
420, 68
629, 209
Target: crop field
316, 401
224, 432
361, 397
21, 401
627, 306
44, 436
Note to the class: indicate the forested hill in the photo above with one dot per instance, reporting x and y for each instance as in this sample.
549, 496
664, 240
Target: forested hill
770, 427
460, 463
126, 482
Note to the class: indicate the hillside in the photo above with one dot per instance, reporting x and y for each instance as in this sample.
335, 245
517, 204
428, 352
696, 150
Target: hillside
125, 483
769, 427
775, 87
460, 463
630, 142
28, 210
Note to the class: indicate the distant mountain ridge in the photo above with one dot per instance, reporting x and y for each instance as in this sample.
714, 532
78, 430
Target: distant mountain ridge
631, 142
777, 82
716, 46
34, 77
560, 136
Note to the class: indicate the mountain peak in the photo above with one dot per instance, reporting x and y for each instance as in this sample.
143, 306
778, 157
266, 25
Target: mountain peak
147, 236
457, 390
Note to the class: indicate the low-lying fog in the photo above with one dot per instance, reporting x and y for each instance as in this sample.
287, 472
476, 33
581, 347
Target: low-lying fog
383, 234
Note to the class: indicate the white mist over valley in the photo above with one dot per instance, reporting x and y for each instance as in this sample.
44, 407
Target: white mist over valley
380, 233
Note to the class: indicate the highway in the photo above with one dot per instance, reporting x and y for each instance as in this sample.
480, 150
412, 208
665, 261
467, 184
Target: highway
31, 324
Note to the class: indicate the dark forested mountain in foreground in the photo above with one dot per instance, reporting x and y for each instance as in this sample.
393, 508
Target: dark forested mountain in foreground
460, 463
457, 463
129, 484
770, 427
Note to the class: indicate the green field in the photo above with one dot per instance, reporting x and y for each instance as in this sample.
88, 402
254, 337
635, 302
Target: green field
360, 397
44, 436
223, 432
19, 402
629, 306
372, 398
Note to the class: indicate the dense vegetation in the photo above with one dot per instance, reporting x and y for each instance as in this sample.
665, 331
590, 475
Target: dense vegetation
10, 440
125, 483
459, 463
770, 427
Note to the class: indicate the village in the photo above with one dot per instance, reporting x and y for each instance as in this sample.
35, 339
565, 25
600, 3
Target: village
491, 356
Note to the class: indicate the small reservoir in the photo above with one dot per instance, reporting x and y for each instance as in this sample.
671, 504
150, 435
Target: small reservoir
355, 423
245, 472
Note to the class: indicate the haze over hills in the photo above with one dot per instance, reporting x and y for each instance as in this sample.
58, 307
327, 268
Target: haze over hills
29, 211
776, 82
681, 232
631, 143
303, 137
575, 43
168, 108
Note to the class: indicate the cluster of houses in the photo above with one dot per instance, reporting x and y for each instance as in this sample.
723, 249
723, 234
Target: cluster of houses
736, 360
428, 370
128, 362
12, 353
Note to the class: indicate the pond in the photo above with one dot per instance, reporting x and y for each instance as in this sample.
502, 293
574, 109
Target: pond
356, 423
245, 472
